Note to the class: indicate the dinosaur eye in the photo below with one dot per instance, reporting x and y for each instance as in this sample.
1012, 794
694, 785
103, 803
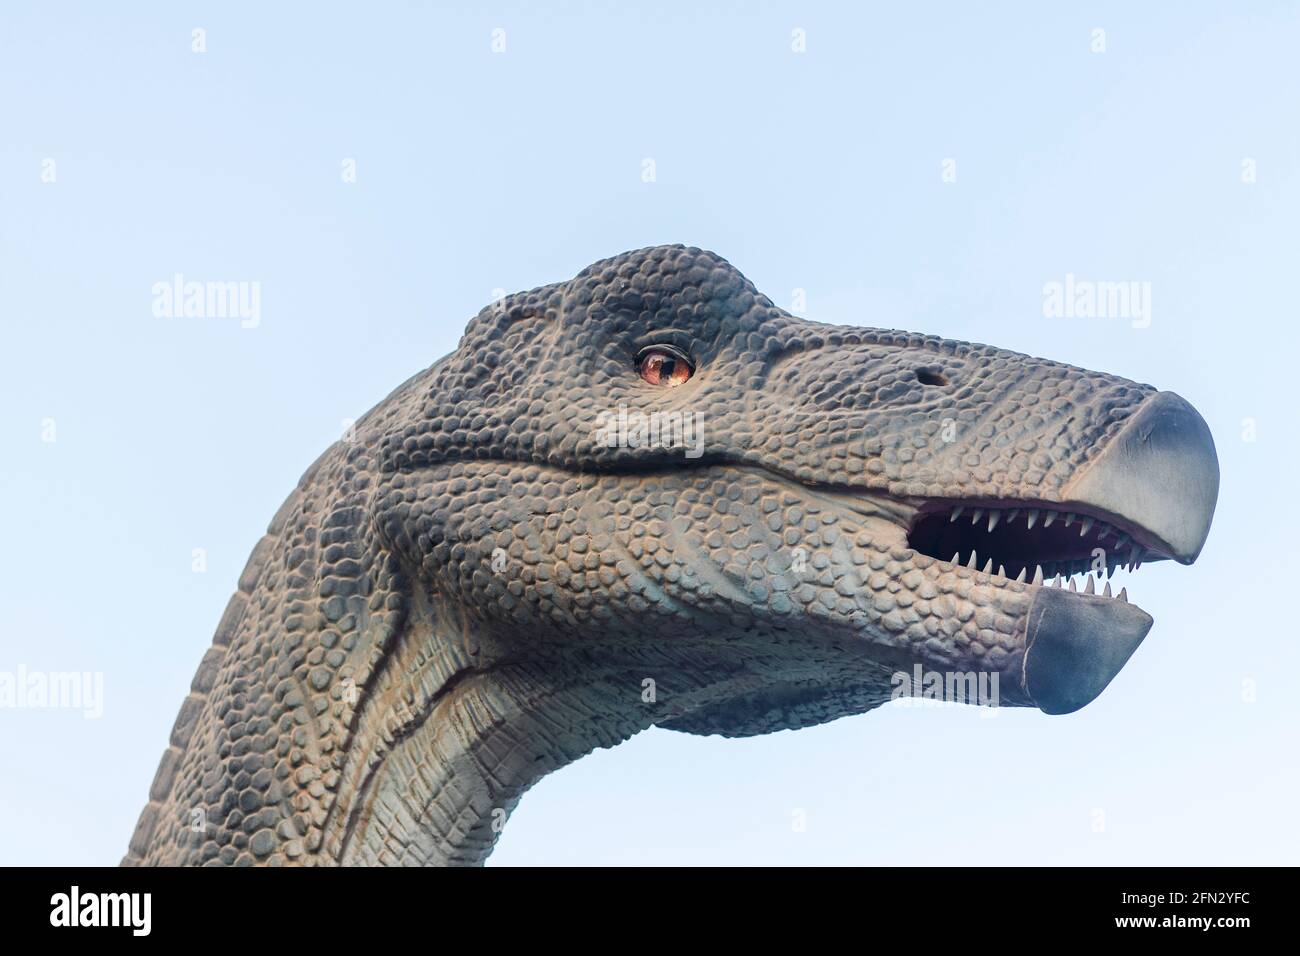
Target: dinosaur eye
663, 365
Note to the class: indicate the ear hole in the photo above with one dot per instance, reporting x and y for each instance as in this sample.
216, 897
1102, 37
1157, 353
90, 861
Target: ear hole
928, 376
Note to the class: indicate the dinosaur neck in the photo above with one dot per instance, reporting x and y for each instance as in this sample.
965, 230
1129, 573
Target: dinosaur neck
442, 771
436, 775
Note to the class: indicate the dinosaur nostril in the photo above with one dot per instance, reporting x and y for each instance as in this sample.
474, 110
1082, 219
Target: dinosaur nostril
930, 377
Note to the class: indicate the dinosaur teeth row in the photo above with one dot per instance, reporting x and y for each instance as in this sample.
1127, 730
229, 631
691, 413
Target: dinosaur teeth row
1048, 516
1049, 568
1059, 581
1090, 588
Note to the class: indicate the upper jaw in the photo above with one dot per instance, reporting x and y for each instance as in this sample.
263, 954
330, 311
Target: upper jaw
1148, 495
1160, 474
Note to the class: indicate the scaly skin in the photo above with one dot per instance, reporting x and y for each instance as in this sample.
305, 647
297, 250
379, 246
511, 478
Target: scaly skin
382, 691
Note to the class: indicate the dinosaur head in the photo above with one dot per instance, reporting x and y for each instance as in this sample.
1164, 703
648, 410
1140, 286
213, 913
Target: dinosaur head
652, 473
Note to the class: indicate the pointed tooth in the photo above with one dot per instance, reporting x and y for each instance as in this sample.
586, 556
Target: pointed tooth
994, 516
1123, 595
1002, 570
1133, 554
1038, 574
971, 563
1072, 587
956, 514
1090, 588
1048, 518
1032, 517
1058, 582
1069, 518
1106, 593
988, 566
956, 558
1085, 527
1011, 515
1137, 564
975, 518
1020, 578
1103, 532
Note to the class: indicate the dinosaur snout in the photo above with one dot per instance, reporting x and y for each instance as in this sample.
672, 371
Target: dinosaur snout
1159, 475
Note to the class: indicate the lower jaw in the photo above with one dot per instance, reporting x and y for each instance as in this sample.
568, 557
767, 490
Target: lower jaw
1075, 644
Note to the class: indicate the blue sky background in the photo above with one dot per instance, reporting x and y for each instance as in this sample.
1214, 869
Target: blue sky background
479, 170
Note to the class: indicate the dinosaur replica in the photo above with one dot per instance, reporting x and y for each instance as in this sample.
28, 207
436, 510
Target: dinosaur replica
477, 587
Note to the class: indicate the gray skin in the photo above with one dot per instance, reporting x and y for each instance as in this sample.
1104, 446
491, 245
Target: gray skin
480, 587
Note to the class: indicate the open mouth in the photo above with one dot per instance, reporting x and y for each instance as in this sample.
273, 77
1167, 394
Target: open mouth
1147, 495
1074, 642
1030, 543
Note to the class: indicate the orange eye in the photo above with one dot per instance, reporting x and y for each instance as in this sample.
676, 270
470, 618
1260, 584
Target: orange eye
663, 365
